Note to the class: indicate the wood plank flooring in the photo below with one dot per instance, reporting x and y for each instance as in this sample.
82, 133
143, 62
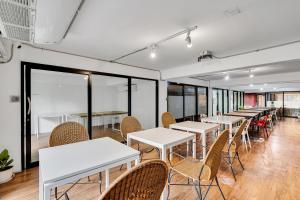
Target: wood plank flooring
272, 171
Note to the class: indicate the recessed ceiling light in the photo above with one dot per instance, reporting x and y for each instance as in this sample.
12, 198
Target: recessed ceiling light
251, 75
251, 85
261, 89
274, 88
227, 77
265, 84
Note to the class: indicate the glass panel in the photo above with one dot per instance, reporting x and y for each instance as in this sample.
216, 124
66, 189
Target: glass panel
202, 101
215, 102
291, 104
275, 100
231, 101
109, 105
53, 101
239, 100
225, 101
235, 101
143, 100
220, 101
175, 100
189, 102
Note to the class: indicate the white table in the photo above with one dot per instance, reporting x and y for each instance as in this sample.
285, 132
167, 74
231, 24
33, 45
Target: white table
68, 163
242, 114
197, 127
163, 139
227, 120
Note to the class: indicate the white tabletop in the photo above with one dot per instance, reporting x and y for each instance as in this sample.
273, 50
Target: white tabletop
242, 114
161, 137
223, 119
250, 111
67, 160
197, 127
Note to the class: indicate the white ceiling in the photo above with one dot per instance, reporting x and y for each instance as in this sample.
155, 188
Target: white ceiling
107, 29
277, 68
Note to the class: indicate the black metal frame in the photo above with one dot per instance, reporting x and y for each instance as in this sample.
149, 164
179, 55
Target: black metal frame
183, 95
26, 86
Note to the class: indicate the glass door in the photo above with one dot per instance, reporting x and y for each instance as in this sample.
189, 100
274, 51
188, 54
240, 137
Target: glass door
202, 100
190, 103
52, 98
175, 101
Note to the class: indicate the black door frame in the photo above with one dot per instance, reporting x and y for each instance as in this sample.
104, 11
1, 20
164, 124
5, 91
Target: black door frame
26, 92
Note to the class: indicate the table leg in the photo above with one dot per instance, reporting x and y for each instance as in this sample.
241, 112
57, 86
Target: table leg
106, 178
137, 161
194, 147
164, 158
171, 153
204, 145
128, 165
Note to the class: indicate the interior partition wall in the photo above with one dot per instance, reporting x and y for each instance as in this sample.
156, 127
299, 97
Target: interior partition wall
51, 95
187, 102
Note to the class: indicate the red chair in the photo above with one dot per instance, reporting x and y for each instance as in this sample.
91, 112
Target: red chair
262, 123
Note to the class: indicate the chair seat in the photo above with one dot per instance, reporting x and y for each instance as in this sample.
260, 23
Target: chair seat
191, 167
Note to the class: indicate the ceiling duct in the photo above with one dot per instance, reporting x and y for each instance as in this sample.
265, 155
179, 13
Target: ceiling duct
16, 19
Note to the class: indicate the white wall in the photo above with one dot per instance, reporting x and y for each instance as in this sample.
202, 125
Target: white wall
10, 118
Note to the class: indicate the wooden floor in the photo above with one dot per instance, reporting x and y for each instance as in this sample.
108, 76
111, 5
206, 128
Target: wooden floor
272, 171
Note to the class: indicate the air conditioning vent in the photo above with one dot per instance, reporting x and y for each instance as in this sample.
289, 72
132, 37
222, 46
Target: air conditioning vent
17, 19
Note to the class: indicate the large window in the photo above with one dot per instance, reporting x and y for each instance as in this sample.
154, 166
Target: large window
187, 102
220, 101
291, 103
275, 100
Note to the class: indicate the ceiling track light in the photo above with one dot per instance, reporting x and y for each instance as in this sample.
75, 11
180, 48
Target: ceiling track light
188, 40
185, 31
153, 51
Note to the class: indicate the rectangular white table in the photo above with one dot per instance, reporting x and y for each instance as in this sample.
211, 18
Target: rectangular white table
68, 163
197, 127
163, 138
242, 114
227, 120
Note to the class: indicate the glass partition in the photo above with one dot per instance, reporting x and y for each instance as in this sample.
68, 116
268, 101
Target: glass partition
109, 105
231, 101
143, 95
261, 100
202, 100
275, 100
225, 103
175, 100
215, 102
189, 102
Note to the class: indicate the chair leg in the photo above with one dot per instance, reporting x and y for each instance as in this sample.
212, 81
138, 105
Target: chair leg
238, 157
169, 181
220, 188
231, 167
208, 189
248, 138
66, 196
198, 189
55, 192
245, 142
100, 182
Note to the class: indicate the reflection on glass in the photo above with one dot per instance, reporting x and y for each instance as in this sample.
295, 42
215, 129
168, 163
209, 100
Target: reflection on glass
291, 104
202, 101
220, 101
215, 102
231, 101
143, 95
109, 105
189, 102
235, 101
175, 100
54, 97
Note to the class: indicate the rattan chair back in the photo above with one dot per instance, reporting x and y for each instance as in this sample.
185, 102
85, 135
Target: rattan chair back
213, 159
143, 182
167, 119
129, 124
237, 138
67, 133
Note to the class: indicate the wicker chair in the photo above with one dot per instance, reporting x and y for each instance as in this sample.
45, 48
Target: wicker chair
232, 148
145, 181
201, 170
167, 119
67, 133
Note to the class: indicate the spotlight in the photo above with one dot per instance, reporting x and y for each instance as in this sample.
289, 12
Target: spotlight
261, 89
227, 77
188, 40
251, 75
153, 51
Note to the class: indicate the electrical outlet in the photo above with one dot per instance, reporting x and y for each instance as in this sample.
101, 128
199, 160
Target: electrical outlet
14, 98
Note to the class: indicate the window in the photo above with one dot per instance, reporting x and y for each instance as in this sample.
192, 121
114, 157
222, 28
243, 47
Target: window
291, 103
187, 102
275, 99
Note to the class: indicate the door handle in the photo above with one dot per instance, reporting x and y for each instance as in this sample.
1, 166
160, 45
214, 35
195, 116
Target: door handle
29, 106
